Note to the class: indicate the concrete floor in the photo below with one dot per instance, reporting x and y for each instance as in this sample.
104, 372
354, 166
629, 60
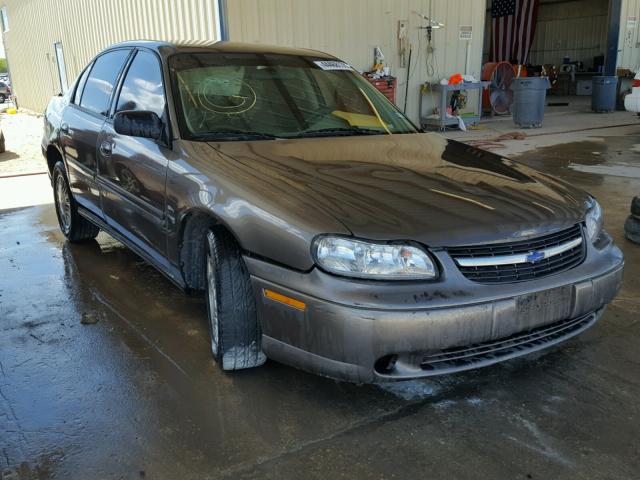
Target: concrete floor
574, 117
105, 372
23, 135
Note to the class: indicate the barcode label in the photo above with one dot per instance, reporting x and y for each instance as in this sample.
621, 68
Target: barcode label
332, 65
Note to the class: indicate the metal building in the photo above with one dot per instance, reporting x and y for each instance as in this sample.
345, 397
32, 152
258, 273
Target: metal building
49, 41
351, 29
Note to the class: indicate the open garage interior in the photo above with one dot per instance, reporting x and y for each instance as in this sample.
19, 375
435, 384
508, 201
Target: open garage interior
291, 239
568, 41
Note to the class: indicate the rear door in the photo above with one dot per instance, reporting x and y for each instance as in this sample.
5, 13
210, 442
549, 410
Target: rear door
82, 122
133, 170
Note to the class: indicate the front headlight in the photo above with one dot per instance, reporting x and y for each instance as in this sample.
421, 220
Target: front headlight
361, 259
593, 219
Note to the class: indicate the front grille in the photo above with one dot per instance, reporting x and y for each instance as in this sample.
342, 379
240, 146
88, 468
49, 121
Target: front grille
517, 272
481, 354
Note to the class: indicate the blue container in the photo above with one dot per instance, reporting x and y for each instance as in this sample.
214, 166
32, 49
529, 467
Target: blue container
529, 97
603, 95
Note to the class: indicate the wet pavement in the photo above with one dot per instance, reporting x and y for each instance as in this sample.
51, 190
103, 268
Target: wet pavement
105, 372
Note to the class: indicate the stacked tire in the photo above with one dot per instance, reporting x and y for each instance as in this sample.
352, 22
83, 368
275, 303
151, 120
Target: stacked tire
632, 225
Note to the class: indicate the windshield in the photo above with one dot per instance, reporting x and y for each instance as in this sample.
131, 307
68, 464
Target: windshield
257, 96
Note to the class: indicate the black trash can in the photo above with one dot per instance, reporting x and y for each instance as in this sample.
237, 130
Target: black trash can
603, 95
529, 97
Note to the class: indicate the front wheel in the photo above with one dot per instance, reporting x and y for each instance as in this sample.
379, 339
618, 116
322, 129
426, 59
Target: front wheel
75, 227
233, 323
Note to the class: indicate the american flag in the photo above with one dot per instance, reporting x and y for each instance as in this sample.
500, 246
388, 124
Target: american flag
514, 25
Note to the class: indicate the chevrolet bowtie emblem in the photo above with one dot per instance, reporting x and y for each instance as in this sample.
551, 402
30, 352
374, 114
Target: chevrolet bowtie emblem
535, 257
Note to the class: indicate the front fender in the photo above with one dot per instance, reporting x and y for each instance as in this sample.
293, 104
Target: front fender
275, 227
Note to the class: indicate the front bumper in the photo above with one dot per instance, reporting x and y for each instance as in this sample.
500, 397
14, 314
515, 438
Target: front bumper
374, 332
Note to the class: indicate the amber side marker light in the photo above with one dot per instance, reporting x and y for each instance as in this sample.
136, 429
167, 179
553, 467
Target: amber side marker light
278, 297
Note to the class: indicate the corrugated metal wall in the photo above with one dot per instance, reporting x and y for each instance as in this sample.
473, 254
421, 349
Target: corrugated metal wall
350, 29
575, 28
87, 26
629, 40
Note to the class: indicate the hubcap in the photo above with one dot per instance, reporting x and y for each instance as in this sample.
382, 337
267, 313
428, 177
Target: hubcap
63, 203
212, 299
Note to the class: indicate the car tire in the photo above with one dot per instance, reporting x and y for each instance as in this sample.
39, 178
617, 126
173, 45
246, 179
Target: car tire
3, 98
233, 323
632, 229
635, 207
75, 227
2, 143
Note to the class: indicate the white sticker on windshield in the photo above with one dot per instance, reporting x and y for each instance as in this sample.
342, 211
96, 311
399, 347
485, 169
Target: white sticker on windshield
332, 65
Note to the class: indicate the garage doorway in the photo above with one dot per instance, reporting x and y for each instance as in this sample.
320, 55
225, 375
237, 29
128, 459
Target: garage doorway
570, 41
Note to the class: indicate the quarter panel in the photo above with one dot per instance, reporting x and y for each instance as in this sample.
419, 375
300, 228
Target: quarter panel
51, 124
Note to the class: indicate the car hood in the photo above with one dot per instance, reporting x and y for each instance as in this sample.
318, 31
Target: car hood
419, 187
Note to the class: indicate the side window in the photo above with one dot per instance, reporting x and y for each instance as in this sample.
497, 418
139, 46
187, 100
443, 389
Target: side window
80, 87
142, 87
101, 80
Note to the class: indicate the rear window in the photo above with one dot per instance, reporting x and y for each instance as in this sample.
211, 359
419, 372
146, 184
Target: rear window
101, 80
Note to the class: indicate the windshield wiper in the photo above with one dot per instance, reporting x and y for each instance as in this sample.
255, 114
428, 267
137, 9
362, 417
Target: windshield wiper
234, 135
334, 132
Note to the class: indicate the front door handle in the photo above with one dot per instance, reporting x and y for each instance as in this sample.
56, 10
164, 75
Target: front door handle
106, 148
64, 128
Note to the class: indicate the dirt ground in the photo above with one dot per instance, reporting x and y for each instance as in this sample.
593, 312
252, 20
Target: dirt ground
22, 133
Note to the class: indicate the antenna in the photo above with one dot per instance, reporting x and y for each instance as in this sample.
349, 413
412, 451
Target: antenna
431, 24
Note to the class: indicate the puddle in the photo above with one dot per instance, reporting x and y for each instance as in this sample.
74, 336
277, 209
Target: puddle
412, 389
588, 162
615, 169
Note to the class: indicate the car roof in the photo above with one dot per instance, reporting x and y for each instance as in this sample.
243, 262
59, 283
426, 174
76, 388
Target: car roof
166, 49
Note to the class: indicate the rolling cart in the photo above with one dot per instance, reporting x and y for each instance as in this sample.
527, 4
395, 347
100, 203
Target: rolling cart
440, 121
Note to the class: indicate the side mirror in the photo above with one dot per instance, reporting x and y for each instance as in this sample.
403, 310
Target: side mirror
142, 123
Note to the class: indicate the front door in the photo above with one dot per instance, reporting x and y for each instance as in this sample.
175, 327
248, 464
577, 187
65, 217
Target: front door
82, 122
133, 170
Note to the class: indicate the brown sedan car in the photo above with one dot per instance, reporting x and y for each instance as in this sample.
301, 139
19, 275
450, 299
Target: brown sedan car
325, 229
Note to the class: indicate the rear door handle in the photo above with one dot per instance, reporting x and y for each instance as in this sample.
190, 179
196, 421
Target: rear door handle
106, 147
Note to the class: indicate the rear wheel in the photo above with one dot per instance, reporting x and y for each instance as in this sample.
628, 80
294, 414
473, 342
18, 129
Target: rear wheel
233, 324
75, 227
3, 98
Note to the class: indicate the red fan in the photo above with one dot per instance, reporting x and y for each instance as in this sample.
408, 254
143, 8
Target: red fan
498, 96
